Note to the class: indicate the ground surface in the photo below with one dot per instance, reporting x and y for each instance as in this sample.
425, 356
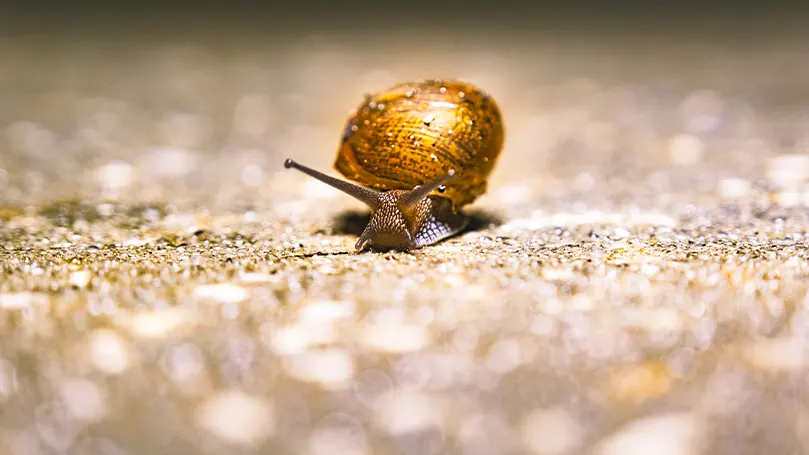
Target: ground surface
635, 280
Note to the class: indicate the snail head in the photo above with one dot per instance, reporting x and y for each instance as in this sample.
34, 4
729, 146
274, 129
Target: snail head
397, 216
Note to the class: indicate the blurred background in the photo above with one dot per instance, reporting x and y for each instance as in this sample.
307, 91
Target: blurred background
202, 102
167, 287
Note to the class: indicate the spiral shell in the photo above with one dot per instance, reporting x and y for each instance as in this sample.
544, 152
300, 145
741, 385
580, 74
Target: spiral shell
414, 133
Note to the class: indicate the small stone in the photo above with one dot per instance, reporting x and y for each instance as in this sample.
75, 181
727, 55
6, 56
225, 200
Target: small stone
237, 417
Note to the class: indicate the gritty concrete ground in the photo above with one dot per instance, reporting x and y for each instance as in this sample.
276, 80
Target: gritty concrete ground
634, 281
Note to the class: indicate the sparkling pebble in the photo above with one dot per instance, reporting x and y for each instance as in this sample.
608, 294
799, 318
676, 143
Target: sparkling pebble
21, 300
158, 323
83, 399
395, 338
237, 417
550, 432
779, 354
685, 149
667, 434
402, 412
339, 434
222, 293
108, 351
80, 279
331, 368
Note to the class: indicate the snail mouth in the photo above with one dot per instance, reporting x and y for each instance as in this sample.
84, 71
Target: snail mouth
384, 241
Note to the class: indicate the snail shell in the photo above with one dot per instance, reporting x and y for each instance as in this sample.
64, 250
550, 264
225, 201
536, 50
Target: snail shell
419, 152
414, 133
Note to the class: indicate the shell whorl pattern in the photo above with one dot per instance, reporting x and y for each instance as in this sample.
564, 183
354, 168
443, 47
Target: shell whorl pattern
414, 133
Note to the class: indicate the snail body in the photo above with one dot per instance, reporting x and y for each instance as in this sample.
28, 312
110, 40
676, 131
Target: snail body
418, 152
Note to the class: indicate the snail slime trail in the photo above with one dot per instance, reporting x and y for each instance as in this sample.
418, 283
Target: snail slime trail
418, 153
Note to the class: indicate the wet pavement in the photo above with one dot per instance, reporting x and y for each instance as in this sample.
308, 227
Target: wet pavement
634, 280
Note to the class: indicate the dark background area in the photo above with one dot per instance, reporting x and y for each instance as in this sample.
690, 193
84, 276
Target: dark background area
151, 20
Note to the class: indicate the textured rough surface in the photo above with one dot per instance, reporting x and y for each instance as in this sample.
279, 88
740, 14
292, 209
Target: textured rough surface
634, 281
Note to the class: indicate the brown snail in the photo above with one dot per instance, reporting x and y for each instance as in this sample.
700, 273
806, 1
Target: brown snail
421, 151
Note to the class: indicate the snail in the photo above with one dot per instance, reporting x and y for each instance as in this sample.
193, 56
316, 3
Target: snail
418, 152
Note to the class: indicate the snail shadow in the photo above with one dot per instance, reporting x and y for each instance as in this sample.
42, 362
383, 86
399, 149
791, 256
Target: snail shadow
353, 222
